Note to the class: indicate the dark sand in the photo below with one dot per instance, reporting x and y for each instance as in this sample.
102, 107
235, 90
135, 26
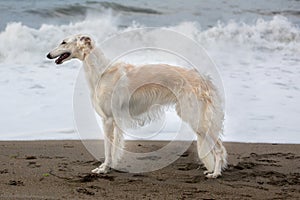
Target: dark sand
60, 170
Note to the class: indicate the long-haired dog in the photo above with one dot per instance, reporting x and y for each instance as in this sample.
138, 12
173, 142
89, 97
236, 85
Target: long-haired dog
141, 88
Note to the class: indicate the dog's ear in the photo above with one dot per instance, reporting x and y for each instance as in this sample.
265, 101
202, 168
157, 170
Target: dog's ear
86, 42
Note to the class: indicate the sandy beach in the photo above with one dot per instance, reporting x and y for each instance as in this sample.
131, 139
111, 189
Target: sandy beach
60, 170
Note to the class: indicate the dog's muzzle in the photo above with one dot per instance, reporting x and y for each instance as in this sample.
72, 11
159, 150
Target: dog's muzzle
60, 58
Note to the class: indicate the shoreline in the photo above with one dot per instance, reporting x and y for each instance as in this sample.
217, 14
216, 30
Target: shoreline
129, 140
56, 169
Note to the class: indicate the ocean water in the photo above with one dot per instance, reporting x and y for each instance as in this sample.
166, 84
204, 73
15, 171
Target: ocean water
256, 46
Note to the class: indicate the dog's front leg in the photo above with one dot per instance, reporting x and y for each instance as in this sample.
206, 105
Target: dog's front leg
108, 138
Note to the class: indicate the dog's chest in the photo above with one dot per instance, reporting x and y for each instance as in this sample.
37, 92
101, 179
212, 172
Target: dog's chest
108, 91
101, 103
102, 97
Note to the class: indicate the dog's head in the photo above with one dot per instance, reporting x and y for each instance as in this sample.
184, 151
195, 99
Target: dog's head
77, 46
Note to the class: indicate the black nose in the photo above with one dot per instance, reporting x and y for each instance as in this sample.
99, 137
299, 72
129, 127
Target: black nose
49, 56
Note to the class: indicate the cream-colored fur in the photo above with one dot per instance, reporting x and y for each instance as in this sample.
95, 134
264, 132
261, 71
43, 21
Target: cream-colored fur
124, 95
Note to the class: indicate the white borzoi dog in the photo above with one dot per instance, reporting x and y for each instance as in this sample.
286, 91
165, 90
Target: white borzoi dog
165, 85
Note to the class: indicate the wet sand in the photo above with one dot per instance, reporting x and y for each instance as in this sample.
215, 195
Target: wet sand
60, 170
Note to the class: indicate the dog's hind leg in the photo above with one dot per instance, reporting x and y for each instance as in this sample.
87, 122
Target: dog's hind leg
220, 160
108, 139
205, 153
191, 111
118, 145
223, 155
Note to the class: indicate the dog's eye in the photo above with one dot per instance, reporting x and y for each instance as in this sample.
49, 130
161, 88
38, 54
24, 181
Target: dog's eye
63, 42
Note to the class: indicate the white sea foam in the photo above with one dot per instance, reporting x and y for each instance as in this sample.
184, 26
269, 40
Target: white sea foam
259, 64
20, 44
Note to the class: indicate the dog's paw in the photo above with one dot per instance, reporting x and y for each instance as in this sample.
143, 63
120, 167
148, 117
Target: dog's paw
213, 175
103, 169
207, 172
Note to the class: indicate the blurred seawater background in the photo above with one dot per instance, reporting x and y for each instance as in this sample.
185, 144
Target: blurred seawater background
255, 44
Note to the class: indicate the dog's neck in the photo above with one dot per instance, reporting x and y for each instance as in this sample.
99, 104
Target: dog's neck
94, 65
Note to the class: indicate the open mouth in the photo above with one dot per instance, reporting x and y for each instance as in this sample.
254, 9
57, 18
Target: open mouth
62, 57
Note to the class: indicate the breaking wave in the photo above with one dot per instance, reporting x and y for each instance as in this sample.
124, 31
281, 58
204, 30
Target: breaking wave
22, 44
